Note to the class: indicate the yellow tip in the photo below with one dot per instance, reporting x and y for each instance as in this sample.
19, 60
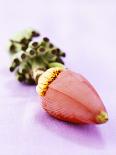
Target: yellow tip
102, 117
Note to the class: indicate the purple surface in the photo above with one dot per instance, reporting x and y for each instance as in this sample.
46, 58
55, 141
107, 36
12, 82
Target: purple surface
86, 31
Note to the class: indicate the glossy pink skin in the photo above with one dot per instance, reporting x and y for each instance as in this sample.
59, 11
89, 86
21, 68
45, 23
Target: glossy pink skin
70, 97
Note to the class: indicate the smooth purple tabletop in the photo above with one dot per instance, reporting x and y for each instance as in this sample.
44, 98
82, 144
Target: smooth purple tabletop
86, 31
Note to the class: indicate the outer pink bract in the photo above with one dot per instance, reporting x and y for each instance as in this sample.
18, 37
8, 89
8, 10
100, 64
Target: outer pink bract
70, 97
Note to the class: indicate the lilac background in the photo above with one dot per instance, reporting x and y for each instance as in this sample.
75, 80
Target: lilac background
86, 30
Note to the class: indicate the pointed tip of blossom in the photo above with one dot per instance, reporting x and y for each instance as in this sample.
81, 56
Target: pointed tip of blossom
102, 117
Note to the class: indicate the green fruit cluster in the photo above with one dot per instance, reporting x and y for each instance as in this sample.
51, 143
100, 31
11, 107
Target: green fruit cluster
29, 56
